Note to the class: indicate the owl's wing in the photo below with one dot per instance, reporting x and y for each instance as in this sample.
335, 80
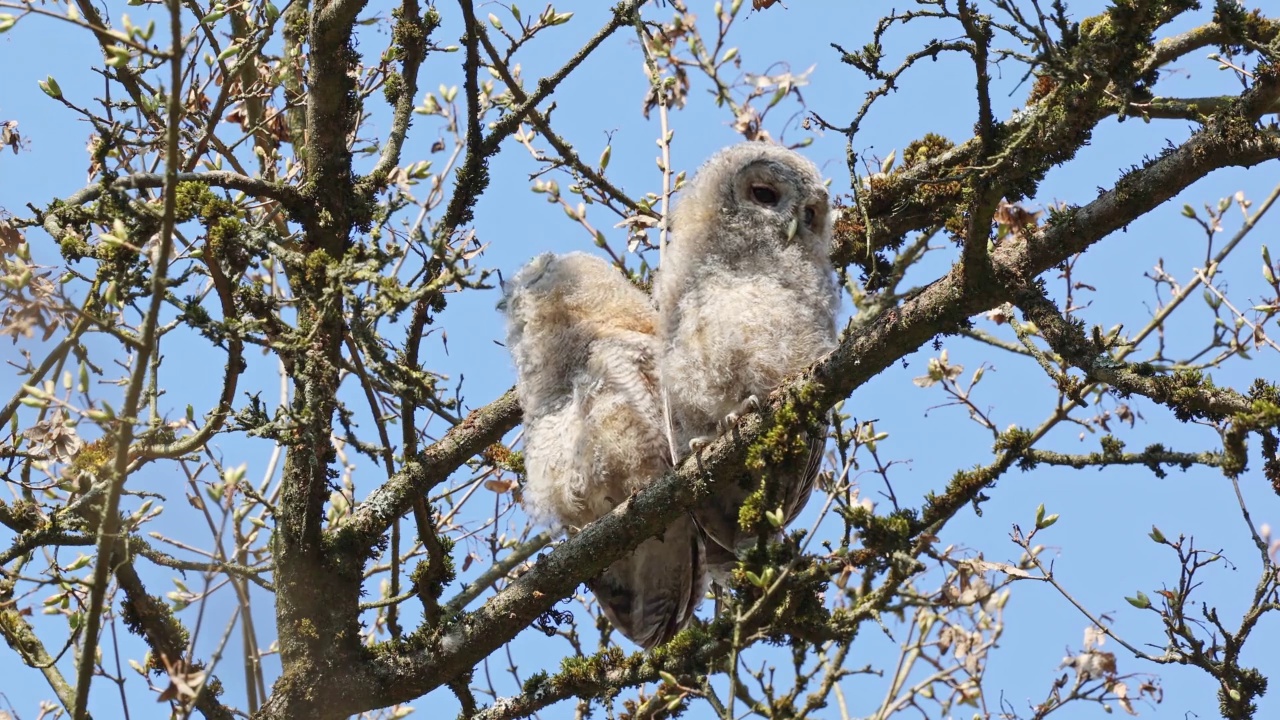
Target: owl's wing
798, 493
627, 365
555, 488
718, 515
720, 563
651, 594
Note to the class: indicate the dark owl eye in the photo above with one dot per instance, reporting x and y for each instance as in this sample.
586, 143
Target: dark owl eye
764, 194
809, 215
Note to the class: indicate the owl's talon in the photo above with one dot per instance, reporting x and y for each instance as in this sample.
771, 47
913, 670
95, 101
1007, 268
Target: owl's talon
696, 444
750, 402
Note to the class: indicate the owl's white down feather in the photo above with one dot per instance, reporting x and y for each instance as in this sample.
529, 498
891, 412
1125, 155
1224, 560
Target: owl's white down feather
583, 342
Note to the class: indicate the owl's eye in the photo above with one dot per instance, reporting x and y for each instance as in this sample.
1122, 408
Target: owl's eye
764, 194
809, 215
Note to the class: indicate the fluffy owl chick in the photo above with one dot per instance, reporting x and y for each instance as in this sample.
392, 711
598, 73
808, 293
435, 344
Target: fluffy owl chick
585, 351
746, 296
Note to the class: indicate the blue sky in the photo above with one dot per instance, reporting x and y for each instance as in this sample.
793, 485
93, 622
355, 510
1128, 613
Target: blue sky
1100, 545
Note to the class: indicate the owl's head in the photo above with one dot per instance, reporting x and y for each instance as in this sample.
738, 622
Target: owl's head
760, 191
575, 289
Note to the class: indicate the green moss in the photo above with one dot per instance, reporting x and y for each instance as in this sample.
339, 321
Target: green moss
537, 684
73, 248
22, 515
1013, 440
926, 148
782, 444
884, 535
140, 612
1112, 447
316, 266
578, 671
687, 644
227, 245
1271, 459
1239, 690
94, 457
751, 514
1265, 395
189, 197
393, 88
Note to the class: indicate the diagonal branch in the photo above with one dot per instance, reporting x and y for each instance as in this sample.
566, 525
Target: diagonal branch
21, 637
1047, 133
1185, 393
393, 499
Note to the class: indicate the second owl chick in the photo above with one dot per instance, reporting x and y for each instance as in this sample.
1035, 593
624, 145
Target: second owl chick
585, 351
746, 296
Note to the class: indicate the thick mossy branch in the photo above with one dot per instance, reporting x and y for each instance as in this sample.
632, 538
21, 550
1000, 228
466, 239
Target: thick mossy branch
152, 619
317, 591
1048, 132
790, 608
21, 637
333, 113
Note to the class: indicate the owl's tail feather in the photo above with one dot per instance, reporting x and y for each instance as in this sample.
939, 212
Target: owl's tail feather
652, 594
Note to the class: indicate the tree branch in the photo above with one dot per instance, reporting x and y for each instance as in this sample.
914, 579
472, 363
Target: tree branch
409, 36
123, 430
288, 197
1046, 134
393, 499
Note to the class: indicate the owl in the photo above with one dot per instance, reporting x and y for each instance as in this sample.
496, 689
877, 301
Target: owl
746, 296
585, 350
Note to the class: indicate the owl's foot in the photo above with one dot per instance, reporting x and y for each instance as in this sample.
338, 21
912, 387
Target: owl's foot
750, 402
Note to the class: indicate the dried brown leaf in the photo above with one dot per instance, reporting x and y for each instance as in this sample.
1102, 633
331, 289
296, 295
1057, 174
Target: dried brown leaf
10, 238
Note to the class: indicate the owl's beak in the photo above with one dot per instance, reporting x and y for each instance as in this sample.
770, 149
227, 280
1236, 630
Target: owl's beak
793, 227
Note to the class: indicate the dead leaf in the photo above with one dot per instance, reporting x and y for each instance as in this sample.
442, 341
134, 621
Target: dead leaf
10, 238
1014, 219
54, 437
499, 486
183, 683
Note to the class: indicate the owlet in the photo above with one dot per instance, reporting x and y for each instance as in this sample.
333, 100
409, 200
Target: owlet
746, 296
583, 340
